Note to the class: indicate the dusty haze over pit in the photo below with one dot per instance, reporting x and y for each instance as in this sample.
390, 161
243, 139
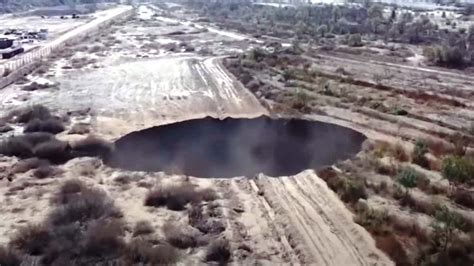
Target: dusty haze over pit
236, 147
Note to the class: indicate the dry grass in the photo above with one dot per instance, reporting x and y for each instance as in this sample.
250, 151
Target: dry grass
104, 239
141, 252
374, 221
382, 148
81, 204
177, 236
219, 251
30, 113
202, 221
34, 86
143, 228
92, 146
44, 171
31, 239
50, 125
176, 197
54, 151
85, 227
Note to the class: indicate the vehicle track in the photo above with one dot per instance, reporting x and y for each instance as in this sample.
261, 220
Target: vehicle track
319, 224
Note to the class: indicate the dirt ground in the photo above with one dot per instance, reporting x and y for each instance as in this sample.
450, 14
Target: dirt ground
153, 70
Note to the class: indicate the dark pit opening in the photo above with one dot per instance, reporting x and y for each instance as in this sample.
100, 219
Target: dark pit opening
236, 147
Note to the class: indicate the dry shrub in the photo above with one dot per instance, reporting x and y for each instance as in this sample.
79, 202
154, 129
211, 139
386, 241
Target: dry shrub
424, 206
35, 86
219, 251
374, 221
123, 179
37, 137
53, 150
23, 146
81, 204
141, 252
331, 177
16, 146
68, 190
82, 62
399, 152
44, 171
460, 142
31, 239
9, 257
51, 125
28, 164
177, 237
92, 146
175, 197
143, 228
464, 197
419, 153
379, 148
85, 228
203, 222
352, 191
104, 239
28, 114
349, 190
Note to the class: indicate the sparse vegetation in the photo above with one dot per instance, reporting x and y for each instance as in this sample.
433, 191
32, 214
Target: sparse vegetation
44, 171
26, 165
373, 220
175, 197
419, 153
219, 251
28, 114
31, 239
140, 251
92, 146
178, 237
408, 178
143, 228
458, 169
444, 227
84, 226
35, 86
51, 125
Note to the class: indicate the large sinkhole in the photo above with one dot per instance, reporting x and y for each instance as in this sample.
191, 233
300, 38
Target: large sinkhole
236, 147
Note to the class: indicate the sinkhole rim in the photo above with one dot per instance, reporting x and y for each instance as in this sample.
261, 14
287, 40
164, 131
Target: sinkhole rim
179, 144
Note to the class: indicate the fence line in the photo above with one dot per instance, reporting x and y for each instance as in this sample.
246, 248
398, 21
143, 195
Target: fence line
20, 66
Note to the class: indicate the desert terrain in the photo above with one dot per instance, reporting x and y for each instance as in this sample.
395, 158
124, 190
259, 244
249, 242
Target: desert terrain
178, 135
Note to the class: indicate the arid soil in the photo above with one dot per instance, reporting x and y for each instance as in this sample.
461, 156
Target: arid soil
153, 70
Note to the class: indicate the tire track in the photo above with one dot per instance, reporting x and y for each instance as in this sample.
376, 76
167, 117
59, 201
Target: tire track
319, 222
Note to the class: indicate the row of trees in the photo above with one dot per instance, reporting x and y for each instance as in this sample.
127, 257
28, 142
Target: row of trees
369, 20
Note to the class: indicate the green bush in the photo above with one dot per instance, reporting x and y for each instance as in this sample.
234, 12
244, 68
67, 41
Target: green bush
419, 152
408, 178
354, 40
458, 169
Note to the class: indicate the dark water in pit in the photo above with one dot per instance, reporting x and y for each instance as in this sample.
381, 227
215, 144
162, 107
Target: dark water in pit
236, 147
